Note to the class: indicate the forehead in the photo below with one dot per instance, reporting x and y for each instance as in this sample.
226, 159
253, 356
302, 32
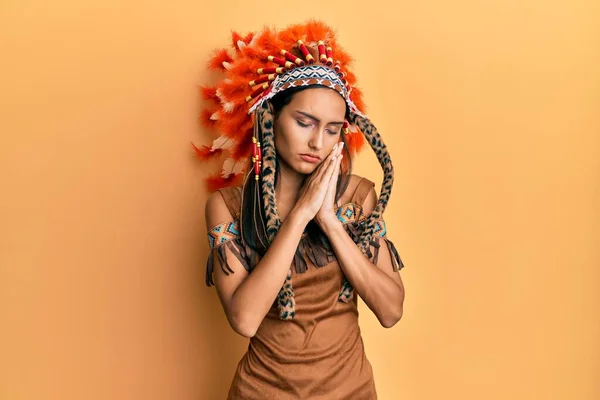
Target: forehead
320, 102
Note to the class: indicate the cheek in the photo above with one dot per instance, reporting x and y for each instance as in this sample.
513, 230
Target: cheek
288, 138
332, 140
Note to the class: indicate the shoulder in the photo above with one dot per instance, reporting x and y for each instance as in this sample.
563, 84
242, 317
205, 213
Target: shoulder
359, 191
215, 202
218, 208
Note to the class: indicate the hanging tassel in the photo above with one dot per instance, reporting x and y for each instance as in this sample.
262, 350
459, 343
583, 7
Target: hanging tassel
285, 300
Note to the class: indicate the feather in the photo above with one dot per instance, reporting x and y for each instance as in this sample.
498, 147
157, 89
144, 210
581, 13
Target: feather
236, 38
205, 118
220, 56
217, 181
205, 152
223, 142
355, 141
231, 166
228, 107
209, 93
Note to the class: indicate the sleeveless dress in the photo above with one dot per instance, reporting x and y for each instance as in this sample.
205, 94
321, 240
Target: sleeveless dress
319, 354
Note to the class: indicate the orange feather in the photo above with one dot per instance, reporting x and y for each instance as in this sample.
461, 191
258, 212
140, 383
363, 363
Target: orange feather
220, 56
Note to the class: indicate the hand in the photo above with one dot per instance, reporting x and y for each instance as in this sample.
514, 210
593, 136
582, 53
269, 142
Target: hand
316, 186
326, 213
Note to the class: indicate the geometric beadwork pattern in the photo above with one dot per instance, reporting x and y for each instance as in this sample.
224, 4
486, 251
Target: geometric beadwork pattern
346, 213
304, 76
223, 233
380, 229
350, 212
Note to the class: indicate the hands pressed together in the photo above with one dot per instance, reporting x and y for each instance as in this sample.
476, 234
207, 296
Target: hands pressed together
317, 196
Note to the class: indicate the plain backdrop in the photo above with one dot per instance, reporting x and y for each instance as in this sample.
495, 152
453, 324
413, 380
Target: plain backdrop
490, 112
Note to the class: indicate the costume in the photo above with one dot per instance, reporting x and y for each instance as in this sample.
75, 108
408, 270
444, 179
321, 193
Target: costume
298, 333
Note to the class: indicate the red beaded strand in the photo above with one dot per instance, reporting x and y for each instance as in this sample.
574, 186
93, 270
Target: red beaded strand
256, 157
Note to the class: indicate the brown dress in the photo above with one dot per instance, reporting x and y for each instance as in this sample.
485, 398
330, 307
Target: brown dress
319, 354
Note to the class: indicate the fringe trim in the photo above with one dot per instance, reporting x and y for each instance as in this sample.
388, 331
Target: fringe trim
248, 258
318, 255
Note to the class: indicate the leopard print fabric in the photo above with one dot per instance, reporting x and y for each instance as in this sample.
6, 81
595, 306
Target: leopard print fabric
269, 159
376, 142
285, 299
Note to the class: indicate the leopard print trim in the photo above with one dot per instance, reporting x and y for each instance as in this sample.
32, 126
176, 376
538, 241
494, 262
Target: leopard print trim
376, 142
374, 138
265, 121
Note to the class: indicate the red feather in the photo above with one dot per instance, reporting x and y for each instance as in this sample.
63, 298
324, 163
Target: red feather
209, 93
244, 147
216, 61
205, 118
355, 142
218, 182
235, 38
205, 152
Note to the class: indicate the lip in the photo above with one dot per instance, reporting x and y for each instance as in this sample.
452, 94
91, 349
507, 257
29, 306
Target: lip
310, 158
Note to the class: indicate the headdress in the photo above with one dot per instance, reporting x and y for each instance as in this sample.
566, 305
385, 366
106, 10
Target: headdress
259, 66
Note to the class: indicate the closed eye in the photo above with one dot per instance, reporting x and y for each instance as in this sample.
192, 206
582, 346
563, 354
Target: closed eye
302, 124
308, 125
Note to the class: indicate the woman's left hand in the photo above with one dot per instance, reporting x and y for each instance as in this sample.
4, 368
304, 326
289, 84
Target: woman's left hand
326, 214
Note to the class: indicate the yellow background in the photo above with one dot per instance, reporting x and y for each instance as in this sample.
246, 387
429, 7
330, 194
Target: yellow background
489, 109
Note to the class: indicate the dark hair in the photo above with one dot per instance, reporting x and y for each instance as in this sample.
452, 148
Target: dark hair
253, 228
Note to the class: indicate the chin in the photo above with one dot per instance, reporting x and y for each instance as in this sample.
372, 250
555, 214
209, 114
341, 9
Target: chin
306, 168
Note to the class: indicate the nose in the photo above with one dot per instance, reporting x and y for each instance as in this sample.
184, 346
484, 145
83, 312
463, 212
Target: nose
317, 139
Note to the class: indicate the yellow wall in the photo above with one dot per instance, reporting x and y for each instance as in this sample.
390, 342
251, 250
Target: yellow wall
490, 110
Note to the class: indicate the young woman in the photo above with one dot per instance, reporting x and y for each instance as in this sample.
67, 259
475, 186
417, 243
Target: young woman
298, 218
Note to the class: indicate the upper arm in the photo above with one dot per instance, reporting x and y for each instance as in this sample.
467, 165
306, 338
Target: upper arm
216, 213
384, 261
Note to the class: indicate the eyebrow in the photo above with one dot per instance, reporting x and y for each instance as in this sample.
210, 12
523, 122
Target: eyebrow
317, 119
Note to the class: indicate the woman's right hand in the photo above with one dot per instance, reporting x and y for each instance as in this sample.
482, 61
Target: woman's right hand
315, 187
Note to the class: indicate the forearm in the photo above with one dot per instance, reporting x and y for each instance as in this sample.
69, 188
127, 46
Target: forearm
254, 297
377, 289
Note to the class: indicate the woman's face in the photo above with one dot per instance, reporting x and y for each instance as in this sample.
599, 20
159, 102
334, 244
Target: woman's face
308, 127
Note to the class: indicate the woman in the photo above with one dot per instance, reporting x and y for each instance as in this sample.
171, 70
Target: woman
299, 217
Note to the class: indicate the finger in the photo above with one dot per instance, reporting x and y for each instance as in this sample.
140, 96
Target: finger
331, 189
332, 185
336, 172
326, 178
323, 167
